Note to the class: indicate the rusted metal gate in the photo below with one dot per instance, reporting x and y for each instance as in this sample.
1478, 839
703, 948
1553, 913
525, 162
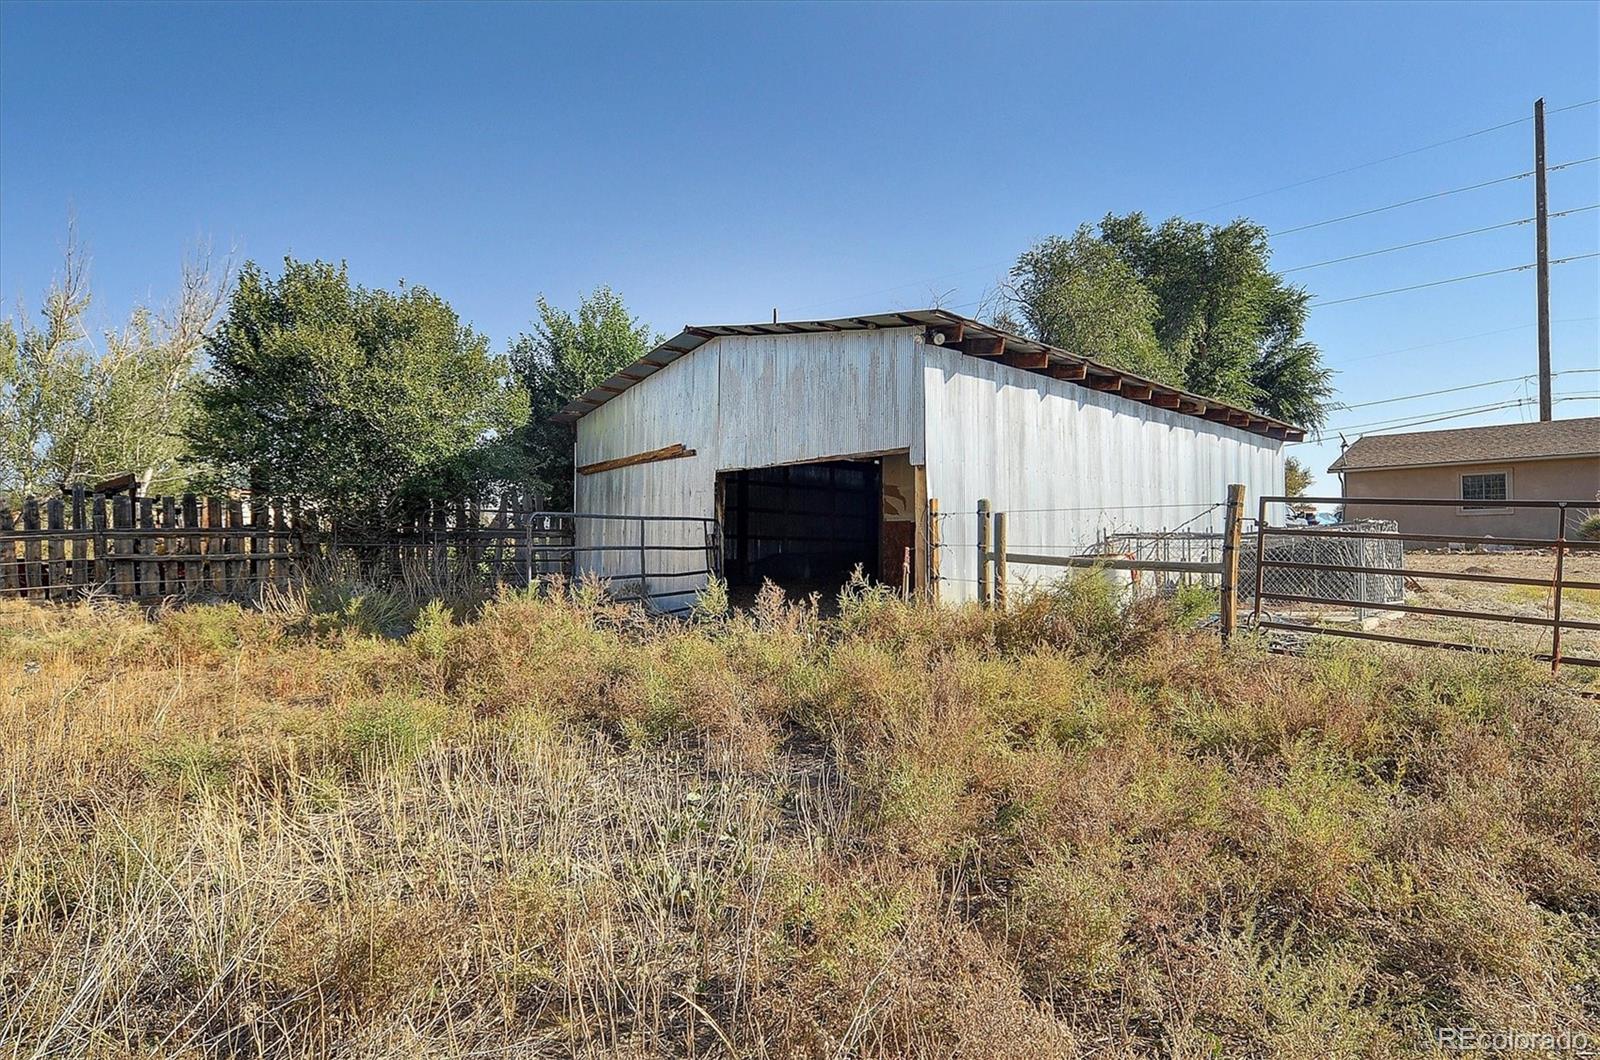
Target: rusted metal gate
1558, 582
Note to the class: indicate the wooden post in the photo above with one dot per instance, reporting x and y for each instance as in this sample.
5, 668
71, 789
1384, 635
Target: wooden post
905, 575
1001, 566
34, 572
258, 544
1232, 524
215, 546
80, 543
237, 579
935, 543
102, 559
1261, 554
1555, 603
170, 547
985, 554
122, 565
1541, 247
58, 554
147, 575
191, 544
8, 548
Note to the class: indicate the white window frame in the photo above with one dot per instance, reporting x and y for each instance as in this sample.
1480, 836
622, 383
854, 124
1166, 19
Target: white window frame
1461, 486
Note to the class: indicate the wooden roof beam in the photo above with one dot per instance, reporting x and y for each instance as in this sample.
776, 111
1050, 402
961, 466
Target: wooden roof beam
1166, 400
984, 345
1071, 371
1110, 384
1030, 361
946, 334
1137, 391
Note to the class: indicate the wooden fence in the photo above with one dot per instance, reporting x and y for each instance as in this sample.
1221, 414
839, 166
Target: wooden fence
995, 556
145, 547
153, 548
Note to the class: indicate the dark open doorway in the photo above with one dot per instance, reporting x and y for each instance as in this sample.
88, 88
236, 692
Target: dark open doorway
804, 526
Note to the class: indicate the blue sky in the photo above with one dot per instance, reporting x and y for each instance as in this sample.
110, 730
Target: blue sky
714, 162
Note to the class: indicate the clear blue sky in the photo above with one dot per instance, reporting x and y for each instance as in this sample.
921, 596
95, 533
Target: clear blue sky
712, 162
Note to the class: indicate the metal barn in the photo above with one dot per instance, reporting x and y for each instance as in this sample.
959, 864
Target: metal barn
815, 446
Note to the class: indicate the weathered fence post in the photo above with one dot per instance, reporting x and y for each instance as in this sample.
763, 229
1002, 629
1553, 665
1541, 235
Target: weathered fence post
58, 554
1001, 566
1555, 603
102, 560
1232, 522
169, 546
80, 541
147, 575
985, 556
191, 544
934, 545
8, 548
122, 567
30, 547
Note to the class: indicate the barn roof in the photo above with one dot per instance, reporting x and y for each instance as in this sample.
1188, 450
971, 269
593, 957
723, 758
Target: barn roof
958, 332
1500, 443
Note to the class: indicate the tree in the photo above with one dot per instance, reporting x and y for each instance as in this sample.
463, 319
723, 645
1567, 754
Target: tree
1079, 294
71, 415
1296, 480
1226, 325
360, 402
562, 358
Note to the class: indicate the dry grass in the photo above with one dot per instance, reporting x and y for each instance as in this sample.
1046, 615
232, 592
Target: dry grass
560, 829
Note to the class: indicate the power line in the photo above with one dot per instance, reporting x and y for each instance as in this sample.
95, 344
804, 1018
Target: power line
1469, 386
1435, 239
1425, 198
1453, 279
1461, 338
1454, 414
1389, 158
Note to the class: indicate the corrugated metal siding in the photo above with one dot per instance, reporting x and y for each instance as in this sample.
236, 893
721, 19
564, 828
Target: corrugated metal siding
741, 402
1029, 442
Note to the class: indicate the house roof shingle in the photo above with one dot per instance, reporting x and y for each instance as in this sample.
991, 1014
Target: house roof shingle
1474, 445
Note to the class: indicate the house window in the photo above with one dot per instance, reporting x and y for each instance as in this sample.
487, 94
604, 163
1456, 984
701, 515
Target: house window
1485, 491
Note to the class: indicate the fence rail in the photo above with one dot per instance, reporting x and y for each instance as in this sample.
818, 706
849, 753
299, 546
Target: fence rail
153, 548
1558, 583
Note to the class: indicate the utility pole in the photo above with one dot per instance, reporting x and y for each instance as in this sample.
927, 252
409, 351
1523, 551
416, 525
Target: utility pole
1541, 214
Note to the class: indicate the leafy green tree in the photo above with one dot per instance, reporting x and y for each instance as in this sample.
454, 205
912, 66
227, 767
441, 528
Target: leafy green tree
1296, 480
1080, 295
1226, 325
562, 358
360, 402
73, 415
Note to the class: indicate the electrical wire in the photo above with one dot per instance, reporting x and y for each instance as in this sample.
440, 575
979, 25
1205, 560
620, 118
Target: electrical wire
1469, 386
1453, 279
1461, 338
1425, 198
1391, 158
1437, 239
1390, 425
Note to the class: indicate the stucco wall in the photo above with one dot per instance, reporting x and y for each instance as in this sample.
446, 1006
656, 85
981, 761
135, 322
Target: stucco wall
1575, 479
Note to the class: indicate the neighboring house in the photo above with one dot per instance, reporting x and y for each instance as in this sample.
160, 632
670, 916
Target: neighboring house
1483, 468
817, 445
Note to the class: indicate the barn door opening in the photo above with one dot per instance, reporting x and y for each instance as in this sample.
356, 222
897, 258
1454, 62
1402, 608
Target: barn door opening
804, 526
